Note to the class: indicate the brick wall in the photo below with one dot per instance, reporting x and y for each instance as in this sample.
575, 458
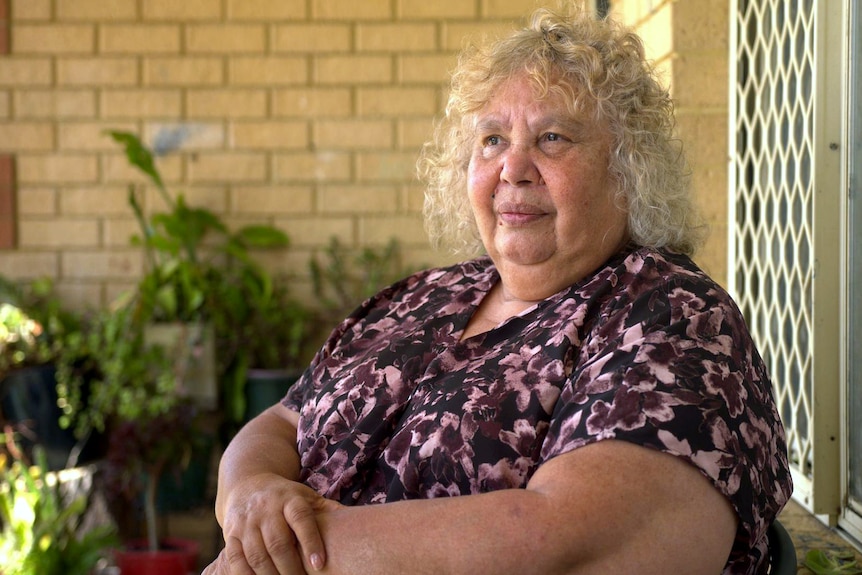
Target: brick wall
690, 43
307, 114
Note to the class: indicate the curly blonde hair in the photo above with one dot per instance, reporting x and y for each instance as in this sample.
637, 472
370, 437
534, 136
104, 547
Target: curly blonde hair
600, 67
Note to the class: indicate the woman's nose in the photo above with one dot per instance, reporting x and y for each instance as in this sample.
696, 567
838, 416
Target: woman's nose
519, 167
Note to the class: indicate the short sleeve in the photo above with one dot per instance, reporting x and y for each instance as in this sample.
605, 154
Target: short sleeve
688, 382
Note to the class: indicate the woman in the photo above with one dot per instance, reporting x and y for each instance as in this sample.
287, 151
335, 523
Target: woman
582, 399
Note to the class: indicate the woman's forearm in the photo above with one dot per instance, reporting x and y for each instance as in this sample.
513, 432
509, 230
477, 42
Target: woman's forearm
495, 533
265, 445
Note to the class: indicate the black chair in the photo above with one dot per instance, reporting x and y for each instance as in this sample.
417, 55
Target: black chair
782, 552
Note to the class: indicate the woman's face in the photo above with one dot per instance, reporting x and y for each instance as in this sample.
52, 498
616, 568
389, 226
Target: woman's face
540, 190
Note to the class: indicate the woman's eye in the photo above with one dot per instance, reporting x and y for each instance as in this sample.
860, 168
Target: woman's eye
492, 140
552, 137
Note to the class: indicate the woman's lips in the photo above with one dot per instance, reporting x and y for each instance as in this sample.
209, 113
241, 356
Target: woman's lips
519, 214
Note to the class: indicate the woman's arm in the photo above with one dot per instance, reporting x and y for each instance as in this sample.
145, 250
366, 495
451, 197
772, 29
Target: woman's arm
611, 507
267, 516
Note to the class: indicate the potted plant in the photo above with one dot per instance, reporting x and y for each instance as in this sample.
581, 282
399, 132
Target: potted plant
111, 380
343, 278
200, 273
41, 518
267, 343
33, 329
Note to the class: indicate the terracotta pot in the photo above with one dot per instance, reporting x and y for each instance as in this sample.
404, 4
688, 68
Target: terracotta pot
175, 557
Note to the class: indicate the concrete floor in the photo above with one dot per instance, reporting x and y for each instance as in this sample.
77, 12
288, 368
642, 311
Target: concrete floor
810, 533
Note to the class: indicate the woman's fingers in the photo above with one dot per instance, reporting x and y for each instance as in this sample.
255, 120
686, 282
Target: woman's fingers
300, 515
249, 556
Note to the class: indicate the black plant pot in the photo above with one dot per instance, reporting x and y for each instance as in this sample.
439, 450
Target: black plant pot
28, 399
266, 387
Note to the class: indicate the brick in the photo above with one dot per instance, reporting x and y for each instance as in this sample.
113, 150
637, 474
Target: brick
26, 136
425, 68
413, 134
353, 134
353, 70
510, 8
90, 10
457, 34
28, 10
225, 39
188, 136
137, 39
397, 102
266, 10
95, 201
55, 233
184, 71
316, 232
55, 104
704, 134
398, 37
313, 166
28, 264
379, 230
270, 135
89, 136
227, 104
37, 201
133, 104
657, 32
229, 167
701, 25
700, 80
208, 196
187, 10
57, 169
351, 10
386, 166
84, 295
25, 72
273, 200
313, 38
5, 101
116, 168
423, 9
267, 71
413, 198
117, 231
352, 199
101, 264
101, 72
312, 102
53, 38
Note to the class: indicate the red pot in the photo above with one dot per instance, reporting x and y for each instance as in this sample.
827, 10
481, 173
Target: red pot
175, 557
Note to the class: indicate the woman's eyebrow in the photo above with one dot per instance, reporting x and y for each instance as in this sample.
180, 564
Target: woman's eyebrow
562, 122
488, 124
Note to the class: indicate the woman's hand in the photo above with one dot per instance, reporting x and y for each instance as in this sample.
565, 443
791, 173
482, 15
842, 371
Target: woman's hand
269, 528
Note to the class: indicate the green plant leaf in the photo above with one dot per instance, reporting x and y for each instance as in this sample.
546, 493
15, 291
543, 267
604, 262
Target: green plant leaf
262, 237
138, 155
832, 562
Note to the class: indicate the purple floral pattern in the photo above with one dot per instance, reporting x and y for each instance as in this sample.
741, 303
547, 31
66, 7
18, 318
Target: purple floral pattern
647, 349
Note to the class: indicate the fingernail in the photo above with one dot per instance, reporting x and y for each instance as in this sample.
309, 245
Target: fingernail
316, 561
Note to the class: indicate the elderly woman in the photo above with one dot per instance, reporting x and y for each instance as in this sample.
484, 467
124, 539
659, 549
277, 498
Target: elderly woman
581, 399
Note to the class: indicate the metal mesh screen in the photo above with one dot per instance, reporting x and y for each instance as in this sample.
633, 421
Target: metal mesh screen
772, 228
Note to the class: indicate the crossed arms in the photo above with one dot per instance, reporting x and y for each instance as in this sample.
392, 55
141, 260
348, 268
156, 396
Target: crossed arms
610, 507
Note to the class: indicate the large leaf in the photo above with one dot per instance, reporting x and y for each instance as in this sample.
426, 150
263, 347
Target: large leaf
832, 562
138, 155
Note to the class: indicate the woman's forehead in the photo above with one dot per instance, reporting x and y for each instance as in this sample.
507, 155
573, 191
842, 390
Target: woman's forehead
556, 101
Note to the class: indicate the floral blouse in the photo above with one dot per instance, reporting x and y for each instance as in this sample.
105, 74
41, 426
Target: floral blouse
647, 349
